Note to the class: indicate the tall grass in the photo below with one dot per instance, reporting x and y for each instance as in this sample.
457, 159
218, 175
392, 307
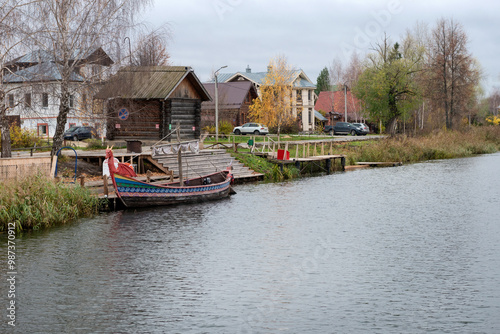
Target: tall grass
38, 202
441, 145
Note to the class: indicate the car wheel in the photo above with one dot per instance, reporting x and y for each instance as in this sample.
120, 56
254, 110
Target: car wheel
256, 132
237, 132
75, 138
330, 132
353, 132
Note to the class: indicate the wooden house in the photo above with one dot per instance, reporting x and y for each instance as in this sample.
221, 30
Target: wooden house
234, 99
146, 102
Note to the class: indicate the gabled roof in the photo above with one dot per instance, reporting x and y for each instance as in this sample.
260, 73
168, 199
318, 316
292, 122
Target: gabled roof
150, 82
324, 102
43, 72
298, 77
230, 94
94, 55
335, 102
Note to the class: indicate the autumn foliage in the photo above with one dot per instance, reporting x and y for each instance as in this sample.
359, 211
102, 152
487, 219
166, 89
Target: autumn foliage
274, 107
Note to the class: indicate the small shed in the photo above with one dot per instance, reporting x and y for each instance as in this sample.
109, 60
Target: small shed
146, 102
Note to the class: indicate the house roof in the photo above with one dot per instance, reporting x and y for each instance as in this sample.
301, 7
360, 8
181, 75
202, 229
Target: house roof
298, 77
230, 94
43, 72
150, 82
324, 102
318, 115
93, 55
335, 102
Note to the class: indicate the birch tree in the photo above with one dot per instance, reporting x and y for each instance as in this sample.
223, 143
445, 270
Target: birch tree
11, 36
71, 29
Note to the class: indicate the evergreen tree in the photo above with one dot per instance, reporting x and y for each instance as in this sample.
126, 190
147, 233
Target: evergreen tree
323, 82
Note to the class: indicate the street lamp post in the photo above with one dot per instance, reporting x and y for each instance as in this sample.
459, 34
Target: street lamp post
345, 102
217, 105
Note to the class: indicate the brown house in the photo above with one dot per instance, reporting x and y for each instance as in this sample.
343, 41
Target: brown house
234, 100
147, 102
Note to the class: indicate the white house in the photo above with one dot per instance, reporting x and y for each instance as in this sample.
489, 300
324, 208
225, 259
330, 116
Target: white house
32, 86
303, 95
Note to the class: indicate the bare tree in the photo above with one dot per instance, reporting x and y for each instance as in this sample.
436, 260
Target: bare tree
11, 37
72, 30
453, 73
151, 48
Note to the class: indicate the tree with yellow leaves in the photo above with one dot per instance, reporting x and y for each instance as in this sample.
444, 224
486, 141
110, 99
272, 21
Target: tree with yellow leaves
274, 107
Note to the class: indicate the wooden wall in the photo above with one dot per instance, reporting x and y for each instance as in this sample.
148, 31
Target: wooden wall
14, 168
154, 119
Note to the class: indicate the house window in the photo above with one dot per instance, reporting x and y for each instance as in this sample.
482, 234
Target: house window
45, 100
43, 129
27, 100
310, 116
309, 95
11, 100
71, 101
299, 95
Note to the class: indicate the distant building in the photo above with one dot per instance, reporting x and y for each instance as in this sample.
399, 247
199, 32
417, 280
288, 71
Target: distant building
32, 86
333, 104
147, 102
302, 99
234, 99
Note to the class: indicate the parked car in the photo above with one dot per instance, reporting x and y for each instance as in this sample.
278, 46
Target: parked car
79, 132
328, 129
251, 128
345, 128
363, 127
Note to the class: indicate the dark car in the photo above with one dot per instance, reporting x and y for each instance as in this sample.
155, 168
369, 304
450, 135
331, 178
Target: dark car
345, 128
79, 132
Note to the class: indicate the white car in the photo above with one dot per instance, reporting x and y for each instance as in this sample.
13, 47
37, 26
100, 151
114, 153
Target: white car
251, 128
363, 127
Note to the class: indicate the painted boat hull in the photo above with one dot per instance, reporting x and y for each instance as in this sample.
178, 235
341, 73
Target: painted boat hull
135, 194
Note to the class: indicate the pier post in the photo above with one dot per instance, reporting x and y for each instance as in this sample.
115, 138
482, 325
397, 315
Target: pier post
105, 185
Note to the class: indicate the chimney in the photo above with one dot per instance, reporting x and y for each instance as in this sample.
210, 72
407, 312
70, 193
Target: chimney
249, 70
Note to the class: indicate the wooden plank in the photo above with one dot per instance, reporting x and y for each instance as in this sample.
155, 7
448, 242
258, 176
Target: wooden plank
156, 164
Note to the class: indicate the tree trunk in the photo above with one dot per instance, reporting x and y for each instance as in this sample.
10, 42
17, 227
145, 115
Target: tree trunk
4, 128
6, 145
61, 120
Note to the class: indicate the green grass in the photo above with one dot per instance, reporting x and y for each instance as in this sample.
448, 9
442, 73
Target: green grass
439, 145
38, 202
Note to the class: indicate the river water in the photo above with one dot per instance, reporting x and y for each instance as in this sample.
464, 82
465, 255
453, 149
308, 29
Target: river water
411, 249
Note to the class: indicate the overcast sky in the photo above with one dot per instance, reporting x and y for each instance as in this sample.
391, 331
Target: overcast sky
208, 34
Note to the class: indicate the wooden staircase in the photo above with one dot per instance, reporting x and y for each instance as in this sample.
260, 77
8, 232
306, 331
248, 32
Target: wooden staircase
206, 162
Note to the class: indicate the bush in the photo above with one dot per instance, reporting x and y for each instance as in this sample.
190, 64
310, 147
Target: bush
225, 127
95, 144
20, 138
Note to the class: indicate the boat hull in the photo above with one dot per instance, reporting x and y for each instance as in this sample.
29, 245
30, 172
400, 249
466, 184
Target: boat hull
134, 193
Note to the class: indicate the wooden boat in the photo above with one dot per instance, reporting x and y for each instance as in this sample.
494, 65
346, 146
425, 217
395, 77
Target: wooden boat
135, 193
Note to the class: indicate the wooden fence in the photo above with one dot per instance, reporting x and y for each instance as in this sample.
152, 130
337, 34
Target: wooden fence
15, 168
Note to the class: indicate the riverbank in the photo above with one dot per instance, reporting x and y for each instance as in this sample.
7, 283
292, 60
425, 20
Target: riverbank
438, 145
38, 202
